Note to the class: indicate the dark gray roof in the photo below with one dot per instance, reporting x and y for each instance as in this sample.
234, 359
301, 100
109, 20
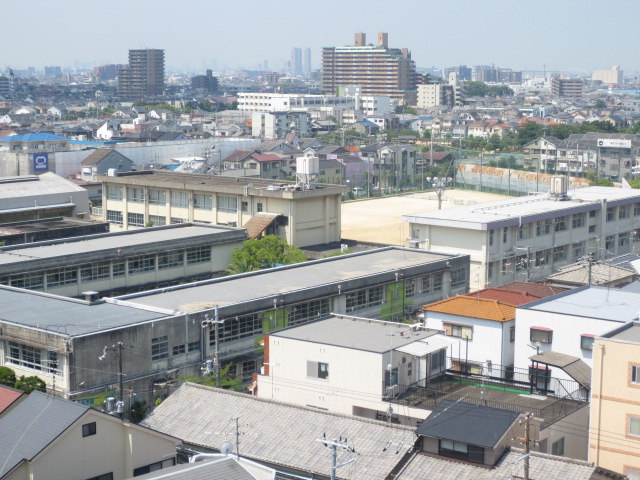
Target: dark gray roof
224, 468
98, 155
575, 367
32, 425
467, 423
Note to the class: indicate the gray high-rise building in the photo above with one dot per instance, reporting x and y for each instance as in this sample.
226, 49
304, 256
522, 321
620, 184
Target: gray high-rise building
306, 62
144, 76
296, 61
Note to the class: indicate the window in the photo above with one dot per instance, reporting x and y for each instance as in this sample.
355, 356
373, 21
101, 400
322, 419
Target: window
228, 204
461, 331
317, 370
560, 224
179, 349
143, 263
512, 334
623, 239
634, 426
245, 206
104, 476
559, 253
180, 199
176, 220
623, 211
114, 216
62, 276
33, 281
592, 214
541, 334
135, 195
577, 220
505, 233
193, 346
135, 219
541, 258
114, 192
118, 268
202, 202
491, 235
157, 220
439, 360
259, 207
160, 348
557, 448
157, 197
236, 328
89, 429
592, 229
24, 355
198, 255
490, 270
154, 467
636, 209
524, 231
458, 277
543, 227
95, 271
323, 370
462, 451
578, 249
365, 298
432, 283
410, 287
610, 243
611, 214
170, 260
303, 312
586, 341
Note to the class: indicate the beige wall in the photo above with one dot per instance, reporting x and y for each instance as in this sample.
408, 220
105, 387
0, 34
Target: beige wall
116, 447
614, 400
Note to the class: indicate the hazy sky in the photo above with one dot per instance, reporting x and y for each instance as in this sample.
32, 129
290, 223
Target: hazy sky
561, 34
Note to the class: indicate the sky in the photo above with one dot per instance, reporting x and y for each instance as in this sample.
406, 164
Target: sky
559, 35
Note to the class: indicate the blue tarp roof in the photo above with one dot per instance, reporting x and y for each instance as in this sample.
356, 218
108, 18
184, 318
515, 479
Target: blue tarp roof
33, 137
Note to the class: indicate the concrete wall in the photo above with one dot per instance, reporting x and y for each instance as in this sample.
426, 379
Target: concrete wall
573, 428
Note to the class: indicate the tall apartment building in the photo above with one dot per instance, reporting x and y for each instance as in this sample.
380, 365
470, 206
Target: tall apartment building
566, 87
144, 76
204, 83
611, 76
296, 61
376, 69
437, 94
306, 62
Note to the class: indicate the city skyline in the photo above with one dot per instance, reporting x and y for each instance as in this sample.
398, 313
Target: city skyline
556, 36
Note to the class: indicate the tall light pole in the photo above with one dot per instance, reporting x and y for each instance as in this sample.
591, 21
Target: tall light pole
439, 185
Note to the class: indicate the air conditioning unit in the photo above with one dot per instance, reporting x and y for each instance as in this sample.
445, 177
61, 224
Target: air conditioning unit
391, 391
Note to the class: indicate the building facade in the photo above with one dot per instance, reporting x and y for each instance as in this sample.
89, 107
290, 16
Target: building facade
566, 87
306, 216
377, 69
144, 75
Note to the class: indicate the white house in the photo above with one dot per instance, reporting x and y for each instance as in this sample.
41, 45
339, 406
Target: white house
352, 365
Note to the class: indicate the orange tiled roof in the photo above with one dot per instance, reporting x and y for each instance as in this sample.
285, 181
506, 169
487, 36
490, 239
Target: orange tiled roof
473, 307
8, 396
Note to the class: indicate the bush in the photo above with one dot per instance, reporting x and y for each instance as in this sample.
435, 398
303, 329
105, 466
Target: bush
29, 384
7, 377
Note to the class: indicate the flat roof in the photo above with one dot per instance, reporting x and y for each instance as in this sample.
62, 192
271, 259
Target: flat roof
510, 212
109, 241
591, 302
629, 333
356, 333
66, 316
266, 283
36, 185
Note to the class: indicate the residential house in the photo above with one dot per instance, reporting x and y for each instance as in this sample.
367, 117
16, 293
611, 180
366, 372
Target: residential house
48, 437
393, 165
104, 161
267, 165
332, 171
487, 128
207, 466
589, 273
541, 153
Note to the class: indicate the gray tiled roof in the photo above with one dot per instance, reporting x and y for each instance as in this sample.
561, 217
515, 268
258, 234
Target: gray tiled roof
543, 467
32, 425
278, 433
225, 468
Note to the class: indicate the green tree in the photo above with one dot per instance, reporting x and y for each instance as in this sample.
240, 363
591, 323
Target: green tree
227, 380
267, 252
29, 384
7, 377
405, 109
529, 132
600, 104
139, 409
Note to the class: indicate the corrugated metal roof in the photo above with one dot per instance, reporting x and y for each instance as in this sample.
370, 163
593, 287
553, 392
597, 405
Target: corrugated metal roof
427, 345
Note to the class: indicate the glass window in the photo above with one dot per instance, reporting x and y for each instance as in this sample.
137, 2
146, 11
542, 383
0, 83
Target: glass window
611, 214
114, 192
114, 216
227, 204
157, 220
540, 335
193, 346
160, 348
586, 342
135, 219
62, 276
323, 370
118, 268
24, 355
560, 224
143, 263
512, 334
235, 328
259, 207
170, 260
634, 426
179, 349
157, 197
543, 227
245, 206
89, 429
623, 211
95, 271
636, 209
458, 277
202, 202
505, 233
180, 199
461, 331
578, 249
304, 312
32, 281
557, 448
577, 220
135, 195
438, 359
198, 255
610, 243
635, 374
176, 220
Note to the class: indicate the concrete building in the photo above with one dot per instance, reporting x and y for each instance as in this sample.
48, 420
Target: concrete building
274, 125
30, 153
101, 161
304, 216
614, 434
305, 364
37, 197
530, 238
29, 231
144, 75
613, 76
392, 166
377, 69
440, 94
204, 84
275, 102
124, 261
48, 437
566, 87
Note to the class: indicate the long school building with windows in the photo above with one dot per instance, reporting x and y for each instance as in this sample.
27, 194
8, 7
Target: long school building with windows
529, 238
166, 333
120, 262
304, 216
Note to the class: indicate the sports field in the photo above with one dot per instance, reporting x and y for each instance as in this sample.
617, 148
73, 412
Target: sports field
379, 220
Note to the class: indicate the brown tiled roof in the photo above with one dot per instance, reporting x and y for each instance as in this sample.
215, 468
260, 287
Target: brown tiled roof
537, 289
512, 297
8, 396
238, 155
473, 307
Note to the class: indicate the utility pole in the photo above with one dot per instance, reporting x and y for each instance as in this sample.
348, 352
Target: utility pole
119, 347
335, 444
237, 436
216, 355
527, 448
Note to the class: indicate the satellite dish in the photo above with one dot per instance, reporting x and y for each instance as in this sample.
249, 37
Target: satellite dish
226, 448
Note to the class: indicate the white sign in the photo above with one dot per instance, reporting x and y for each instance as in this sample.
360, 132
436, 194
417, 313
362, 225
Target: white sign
614, 143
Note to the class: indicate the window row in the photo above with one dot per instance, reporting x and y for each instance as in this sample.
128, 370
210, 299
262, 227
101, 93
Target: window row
32, 357
160, 348
178, 199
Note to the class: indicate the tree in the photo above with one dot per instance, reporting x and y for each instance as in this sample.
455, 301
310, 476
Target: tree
29, 384
600, 104
7, 377
227, 381
267, 252
138, 411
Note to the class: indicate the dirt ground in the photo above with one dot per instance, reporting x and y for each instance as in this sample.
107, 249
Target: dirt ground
379, 220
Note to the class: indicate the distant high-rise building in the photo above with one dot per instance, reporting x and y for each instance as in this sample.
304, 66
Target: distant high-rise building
464, 72
205, 83
614, 76
107, 72
566, 87
53, 71
306, 62
144, 76
376, 69
296, 61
